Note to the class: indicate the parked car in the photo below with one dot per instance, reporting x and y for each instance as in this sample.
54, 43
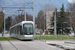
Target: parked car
72, 34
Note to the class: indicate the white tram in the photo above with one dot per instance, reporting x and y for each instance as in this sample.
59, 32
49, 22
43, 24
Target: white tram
23, 30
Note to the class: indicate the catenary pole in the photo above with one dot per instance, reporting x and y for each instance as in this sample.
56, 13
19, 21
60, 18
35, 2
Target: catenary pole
55, 29
34, 17
25, 12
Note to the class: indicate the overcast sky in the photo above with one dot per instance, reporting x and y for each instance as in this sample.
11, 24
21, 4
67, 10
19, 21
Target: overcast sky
38, 3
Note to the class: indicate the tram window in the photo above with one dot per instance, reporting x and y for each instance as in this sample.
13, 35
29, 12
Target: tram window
28, 28
21, 32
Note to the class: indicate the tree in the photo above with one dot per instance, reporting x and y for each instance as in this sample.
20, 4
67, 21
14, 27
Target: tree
48, 7
71, 9
1, 20
40, 20
60, 18
19, 18
8, 22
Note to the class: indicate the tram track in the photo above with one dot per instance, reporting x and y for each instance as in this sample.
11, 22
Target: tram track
35, 46
42, 45
38, 45
26, 45
10, 43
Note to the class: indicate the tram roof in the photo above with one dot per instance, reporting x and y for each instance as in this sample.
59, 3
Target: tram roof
21, 23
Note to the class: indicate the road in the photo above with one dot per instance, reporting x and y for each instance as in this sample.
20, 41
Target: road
28, 45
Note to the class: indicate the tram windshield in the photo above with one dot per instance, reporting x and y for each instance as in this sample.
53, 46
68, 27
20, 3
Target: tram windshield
28, 28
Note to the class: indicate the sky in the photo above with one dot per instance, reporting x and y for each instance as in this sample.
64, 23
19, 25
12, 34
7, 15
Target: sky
38, 4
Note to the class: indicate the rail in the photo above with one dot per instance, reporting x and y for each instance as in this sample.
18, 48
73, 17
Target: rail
11, 44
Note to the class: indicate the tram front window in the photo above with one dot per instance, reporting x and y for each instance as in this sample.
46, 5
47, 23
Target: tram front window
28, 29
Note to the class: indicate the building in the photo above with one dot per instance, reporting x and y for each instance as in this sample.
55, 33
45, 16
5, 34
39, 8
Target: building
49, 15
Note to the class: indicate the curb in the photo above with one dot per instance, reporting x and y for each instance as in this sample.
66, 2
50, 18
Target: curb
63, 46
66, 47
0, 47
69, 42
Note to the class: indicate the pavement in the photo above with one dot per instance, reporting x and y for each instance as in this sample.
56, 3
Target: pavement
38, 45
65, 44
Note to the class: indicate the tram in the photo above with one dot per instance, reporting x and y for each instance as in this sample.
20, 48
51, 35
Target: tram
23, 30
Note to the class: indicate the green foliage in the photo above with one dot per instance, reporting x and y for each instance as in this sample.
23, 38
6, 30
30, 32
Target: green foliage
62, 13
41, 13
60, 18
8, 22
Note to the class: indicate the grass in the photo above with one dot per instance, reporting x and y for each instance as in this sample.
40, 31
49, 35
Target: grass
64, 37
45, 34
52, 37
3, 39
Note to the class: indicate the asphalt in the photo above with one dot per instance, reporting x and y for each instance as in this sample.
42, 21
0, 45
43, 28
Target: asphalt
28, 45
38, 45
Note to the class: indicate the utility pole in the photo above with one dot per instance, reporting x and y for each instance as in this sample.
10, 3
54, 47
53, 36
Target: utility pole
34, 17
4, 19
44, 23
25, 12
55, 29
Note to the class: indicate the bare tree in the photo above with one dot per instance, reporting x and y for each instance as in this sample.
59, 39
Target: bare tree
48, 7
41, 17
71, 9
19, 18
